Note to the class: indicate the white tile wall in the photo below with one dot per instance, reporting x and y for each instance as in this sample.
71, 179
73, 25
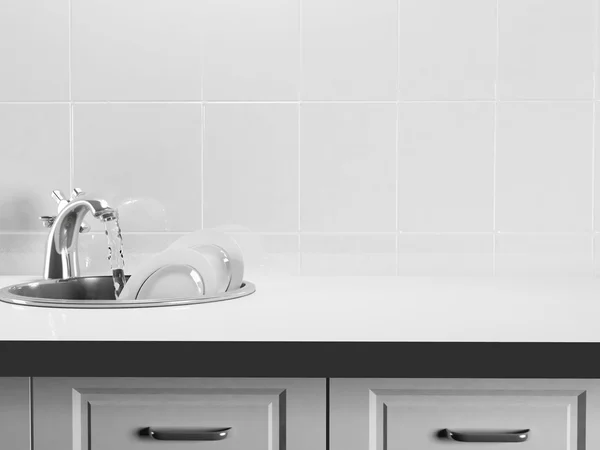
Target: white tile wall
445, 254
143, 158
343, 58
34, 50
269, 254
251, 166
386, 137
348, 254
447, 49
544, 254
347, 167
22, 254
544, 167
136, 50
446, 166
34, 143
546, 49
251, 50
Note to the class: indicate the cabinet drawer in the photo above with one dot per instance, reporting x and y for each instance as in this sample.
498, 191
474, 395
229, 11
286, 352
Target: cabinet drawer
220, 414
431, 414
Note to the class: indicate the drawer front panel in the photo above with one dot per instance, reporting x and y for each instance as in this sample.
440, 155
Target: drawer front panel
107, 414
253, 417
419, 419
403, 414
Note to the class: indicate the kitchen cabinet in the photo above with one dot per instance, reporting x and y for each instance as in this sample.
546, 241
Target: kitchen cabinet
427, 414
131, 413
291, 414
14, 413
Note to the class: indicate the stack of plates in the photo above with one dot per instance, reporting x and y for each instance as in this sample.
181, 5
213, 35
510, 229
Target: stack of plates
203, 263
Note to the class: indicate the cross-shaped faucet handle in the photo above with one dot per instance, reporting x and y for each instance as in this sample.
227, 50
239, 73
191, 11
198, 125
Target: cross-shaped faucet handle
57, 195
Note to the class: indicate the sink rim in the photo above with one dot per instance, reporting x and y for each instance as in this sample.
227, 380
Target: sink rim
6, 296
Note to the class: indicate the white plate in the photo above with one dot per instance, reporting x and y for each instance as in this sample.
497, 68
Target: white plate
161, 275
171, 280
227, 243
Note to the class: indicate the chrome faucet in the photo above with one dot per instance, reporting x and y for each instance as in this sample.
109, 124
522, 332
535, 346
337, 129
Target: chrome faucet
62, 260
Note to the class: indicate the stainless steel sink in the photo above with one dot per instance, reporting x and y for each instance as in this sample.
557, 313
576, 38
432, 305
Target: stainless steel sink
96, 292
62, 287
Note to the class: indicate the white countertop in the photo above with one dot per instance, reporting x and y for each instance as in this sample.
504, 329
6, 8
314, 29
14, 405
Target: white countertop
341, 309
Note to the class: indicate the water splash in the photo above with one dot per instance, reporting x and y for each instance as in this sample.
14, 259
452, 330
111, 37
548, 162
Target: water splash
115, 253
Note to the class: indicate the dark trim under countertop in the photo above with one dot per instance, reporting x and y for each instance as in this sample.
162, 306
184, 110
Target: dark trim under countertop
299, 359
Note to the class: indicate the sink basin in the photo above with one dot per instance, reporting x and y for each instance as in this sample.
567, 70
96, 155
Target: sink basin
96, 292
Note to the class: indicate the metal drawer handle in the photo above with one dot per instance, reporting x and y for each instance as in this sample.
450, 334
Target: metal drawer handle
181, 434
483, 436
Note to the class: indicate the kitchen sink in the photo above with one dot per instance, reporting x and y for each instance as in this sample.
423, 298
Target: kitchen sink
96, 292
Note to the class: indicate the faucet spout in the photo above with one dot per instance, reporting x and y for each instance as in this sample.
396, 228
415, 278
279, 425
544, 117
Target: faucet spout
62, 256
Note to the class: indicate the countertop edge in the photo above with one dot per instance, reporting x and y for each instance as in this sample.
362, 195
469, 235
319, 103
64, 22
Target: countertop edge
300, 359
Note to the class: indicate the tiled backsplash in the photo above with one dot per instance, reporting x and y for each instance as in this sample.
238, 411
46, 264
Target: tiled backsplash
376, 137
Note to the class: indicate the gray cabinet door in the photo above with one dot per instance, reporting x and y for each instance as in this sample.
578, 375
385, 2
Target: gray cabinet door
231, 414
396, 414
14, 414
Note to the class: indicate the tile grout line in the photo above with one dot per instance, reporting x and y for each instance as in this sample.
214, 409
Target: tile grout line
542, 233
397, 149
71, 151
300, 79
333, 233
495, 143
202, 129
202, 142
594, 76
202, 62
70, 49
397, 194
299, 195
59, 102
593, 187
299, 257
71, 127
299, 131
289, 102
594, 182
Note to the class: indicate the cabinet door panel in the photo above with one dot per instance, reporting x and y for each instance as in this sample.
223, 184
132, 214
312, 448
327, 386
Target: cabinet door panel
14, 413
380, 414
105, 414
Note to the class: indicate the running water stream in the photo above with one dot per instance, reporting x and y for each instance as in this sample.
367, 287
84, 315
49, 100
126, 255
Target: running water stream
115, 253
